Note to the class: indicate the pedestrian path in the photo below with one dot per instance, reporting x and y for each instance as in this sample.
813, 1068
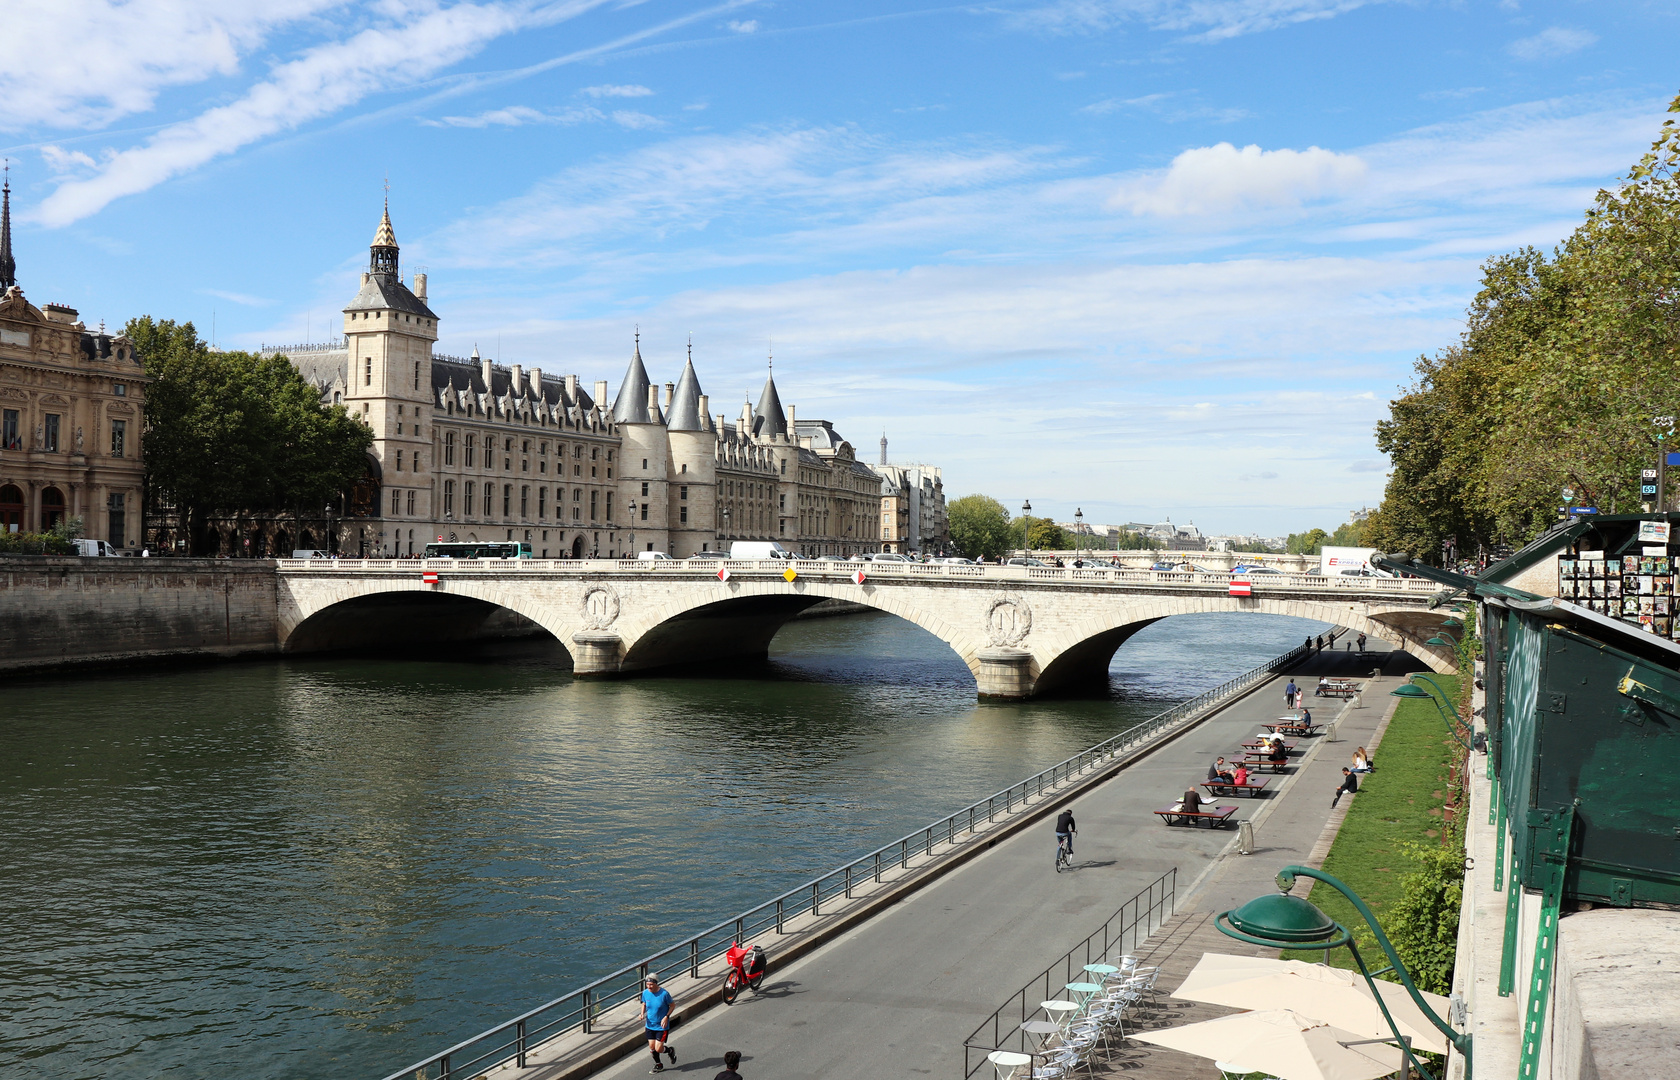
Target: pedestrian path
897, 995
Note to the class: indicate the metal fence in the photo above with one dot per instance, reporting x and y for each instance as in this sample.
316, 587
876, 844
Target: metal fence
1127, 928
581, 1009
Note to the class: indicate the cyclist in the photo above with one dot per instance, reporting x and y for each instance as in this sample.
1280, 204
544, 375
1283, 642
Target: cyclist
1065, 828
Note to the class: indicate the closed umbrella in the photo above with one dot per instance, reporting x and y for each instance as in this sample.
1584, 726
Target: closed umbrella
1282, 1043
1333, 995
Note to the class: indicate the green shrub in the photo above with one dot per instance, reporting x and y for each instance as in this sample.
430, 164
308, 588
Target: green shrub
1423, 923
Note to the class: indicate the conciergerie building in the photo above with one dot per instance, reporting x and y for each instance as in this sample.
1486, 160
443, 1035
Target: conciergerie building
467, 450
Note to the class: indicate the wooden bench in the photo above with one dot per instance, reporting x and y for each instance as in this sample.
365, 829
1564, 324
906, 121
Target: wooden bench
1217, 817
1336, 689
1256, 759
1291, 729
1263, 746
1253, 789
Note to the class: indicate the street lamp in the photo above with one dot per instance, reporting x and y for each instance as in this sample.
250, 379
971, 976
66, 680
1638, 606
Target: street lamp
1449, 715
1026, 526
1078, 532
1292, 922
632, 528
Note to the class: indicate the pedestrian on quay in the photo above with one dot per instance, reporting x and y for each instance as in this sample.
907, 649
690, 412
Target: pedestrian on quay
1350, 786
1362, 641
731, 1066
656, 1021
1289, 693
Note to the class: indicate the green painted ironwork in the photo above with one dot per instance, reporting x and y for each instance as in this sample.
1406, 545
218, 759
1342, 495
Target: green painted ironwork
1499, 846
1556, 827
1513, 912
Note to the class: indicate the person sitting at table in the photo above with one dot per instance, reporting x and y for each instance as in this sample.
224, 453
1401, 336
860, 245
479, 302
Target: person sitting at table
1240, 776
1219, 771
1306, 716
1191, 803
1278, 754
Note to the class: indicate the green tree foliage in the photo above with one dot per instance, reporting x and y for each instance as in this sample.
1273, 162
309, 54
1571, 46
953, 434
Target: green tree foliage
1307, 543
1563, 363
979, 526
1046, 535
1134, 541
1348, 534
233, 431
1422, 924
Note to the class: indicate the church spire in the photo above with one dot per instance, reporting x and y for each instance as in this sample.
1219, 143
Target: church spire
382, 253
8, 266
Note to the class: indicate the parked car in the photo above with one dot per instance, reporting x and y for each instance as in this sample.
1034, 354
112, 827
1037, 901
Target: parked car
956, 560
886, 556
709, 555
1018, 561
310, 553
833, 558
1255, 570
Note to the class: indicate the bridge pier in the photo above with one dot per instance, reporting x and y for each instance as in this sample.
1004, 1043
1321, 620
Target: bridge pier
1005, 673
595, 654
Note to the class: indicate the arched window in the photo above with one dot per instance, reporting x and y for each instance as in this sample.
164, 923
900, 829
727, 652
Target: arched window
11, 509
52, 507
449, 498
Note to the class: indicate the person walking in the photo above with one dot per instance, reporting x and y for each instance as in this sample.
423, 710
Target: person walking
731, 1066
1289, 693
656, 1021
1362, 641
1350, 786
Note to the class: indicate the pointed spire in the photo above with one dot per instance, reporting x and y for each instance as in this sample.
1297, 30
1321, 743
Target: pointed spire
769, 419
8, 266
685, 401
631, 405
382, 253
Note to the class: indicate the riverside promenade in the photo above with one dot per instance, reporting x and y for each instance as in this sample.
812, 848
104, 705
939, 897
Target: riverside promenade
898, 994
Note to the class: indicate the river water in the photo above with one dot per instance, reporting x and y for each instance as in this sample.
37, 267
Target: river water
332, 867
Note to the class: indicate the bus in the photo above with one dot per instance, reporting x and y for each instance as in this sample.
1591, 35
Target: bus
486, 549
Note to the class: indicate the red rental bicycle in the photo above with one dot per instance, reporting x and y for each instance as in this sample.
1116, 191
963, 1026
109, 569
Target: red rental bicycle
746, 968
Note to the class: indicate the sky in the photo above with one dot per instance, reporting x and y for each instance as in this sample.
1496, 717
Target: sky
1142, 258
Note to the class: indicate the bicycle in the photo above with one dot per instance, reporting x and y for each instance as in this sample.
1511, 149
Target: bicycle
1064, 852
747, 966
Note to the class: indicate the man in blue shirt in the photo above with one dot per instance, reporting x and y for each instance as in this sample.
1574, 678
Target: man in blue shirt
656, 1019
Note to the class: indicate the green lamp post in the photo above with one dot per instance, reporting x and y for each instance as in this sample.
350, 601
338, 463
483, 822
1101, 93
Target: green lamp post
1449, 715
1292, 922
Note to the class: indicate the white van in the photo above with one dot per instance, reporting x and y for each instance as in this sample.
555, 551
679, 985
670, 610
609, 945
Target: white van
95, 547
310, 553
652, 556
758, 549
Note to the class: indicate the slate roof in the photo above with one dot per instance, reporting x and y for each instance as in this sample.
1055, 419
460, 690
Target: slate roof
769, 419
631, 405
386, 292
685, 404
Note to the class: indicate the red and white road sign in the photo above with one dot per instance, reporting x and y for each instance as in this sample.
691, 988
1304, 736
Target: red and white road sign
858, 578
428, 577
1241, 587
723, 573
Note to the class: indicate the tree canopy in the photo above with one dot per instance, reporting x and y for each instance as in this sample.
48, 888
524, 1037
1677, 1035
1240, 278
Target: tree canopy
232, 431
979, 526
1565, 361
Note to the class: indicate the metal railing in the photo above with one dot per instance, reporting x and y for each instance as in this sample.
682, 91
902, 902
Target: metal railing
515, 1039
1125, 930
826, 570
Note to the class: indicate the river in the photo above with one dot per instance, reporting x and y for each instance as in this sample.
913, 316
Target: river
333, 866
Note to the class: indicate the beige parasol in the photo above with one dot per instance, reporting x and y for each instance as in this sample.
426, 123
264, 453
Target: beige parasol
1329, 994
1282, 1043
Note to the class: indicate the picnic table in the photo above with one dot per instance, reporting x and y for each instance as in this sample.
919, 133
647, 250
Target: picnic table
1262, 744
1257, 759
1340, 688
1253, 789
1291, 726
1216, 817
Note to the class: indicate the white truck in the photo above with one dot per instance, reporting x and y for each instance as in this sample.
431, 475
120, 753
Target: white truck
758, 549
1348, 562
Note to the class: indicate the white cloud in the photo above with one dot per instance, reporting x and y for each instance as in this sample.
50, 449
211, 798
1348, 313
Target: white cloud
635, 121
630, 91
1551, 43
1209, 20
518, 116
323, 80
85, 63
1222, 179
243, 299
60, 160
746, 26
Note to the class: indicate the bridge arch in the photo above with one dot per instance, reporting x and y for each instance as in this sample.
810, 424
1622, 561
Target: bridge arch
400, 612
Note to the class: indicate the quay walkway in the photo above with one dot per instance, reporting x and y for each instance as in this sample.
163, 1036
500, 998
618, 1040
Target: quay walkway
898, 994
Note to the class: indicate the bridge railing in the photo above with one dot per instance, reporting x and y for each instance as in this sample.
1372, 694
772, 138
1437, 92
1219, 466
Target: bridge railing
583, 1008
814, 568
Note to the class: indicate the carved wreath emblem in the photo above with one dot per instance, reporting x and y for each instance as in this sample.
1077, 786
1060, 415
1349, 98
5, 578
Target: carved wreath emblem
1008, 620
600, 607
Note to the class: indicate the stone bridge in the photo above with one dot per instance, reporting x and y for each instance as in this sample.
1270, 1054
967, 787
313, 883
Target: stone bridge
1022, 631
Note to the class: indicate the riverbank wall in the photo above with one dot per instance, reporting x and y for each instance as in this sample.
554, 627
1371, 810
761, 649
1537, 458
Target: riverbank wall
70, 612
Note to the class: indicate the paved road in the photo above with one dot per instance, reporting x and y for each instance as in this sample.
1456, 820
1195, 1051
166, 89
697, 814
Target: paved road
897, 996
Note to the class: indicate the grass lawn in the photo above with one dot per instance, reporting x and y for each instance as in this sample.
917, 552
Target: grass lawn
1402, 800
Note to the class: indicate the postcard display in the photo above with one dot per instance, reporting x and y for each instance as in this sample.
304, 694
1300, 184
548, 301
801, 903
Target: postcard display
1638, 589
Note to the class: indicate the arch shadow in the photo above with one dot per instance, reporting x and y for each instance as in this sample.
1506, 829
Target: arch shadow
407, 621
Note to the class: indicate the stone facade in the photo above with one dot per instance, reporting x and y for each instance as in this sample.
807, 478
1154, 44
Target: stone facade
72, 407
468, 450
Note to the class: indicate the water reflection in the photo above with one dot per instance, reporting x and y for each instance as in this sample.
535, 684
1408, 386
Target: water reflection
337, 865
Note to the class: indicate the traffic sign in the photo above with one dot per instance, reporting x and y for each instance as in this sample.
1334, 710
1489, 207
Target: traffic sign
429, 577
858, 578
723, 573
1241, 587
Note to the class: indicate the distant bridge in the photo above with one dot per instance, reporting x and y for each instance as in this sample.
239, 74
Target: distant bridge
1022, 631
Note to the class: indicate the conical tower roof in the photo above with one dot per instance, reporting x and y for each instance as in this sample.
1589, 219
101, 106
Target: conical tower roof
631, 405
685, 403
769, 419
384, 237
8, 266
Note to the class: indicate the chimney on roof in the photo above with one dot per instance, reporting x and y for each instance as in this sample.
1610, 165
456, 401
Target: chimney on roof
571, 389
517, 385
653, 402
600, 392
536, 382
670, 389
792, 431
704, 411
420, 287
484, 367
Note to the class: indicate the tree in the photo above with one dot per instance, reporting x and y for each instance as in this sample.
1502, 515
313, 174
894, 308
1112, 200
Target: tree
979, 526
1307, 543
1046, 535
231, 431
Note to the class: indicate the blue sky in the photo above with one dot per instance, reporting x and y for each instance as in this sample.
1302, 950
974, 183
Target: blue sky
1145, 257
